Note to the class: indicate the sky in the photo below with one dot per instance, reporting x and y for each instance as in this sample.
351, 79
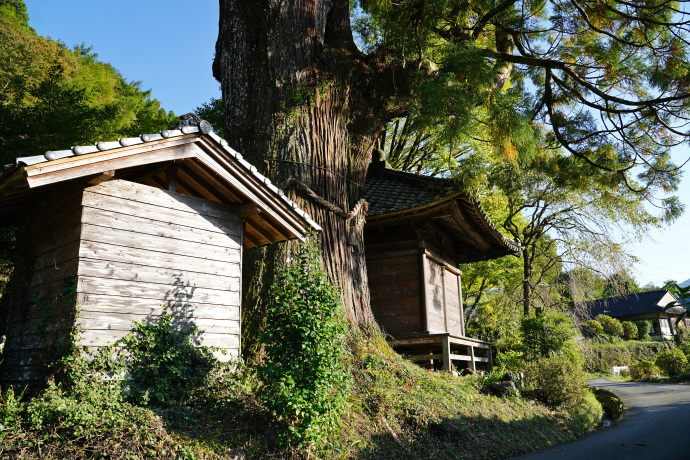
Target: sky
169, 47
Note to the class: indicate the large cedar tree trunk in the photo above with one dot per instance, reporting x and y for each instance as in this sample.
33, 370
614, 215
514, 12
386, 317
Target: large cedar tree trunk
299, 102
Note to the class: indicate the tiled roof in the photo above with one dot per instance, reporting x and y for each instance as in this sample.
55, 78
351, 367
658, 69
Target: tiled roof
389, 191
631, 304
201, 128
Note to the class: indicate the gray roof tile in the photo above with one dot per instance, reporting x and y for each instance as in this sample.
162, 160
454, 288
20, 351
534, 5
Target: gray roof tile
164, 134
627, 305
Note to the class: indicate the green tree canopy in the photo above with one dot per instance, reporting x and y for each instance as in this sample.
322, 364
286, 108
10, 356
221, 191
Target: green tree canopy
53, 97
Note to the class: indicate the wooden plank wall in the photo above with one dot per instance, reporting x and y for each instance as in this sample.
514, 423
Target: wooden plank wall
453, 307
443, 295
435, 293
144, 249
394, 287
38, 316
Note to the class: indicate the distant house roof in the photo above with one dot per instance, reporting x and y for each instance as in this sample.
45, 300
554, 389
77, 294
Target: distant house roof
396, 196
205, 166
631, 304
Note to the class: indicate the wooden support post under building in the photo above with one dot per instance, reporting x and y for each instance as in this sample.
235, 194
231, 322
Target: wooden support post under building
445, 345
473, 365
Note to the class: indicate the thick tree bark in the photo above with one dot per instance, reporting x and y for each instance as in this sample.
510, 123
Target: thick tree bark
298, 105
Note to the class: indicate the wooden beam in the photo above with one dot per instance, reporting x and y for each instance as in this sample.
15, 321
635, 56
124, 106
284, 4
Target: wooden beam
104, 176
171, 177
249, 209
259, 231
422, 284
254, 243
206, 179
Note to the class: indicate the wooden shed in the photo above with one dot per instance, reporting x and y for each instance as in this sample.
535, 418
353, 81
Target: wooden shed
117, 232
418, 230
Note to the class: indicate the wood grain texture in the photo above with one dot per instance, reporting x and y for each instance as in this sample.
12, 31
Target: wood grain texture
178, 229
146, 274
157, 292
107, 304
130, 191
116, 253
160, 214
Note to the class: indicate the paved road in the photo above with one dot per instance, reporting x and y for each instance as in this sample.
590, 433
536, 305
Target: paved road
655, 426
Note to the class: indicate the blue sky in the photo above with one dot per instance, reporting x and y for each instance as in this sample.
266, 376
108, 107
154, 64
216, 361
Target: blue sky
169, 47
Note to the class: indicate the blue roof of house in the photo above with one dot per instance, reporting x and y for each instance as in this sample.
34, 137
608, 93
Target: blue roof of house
630, 304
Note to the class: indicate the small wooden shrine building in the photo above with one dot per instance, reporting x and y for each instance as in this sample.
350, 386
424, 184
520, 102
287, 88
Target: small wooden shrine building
418, 230
118, 231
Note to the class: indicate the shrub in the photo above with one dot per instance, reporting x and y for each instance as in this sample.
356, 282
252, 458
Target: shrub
600, 357
672, 362
555, 380
629, 330
644, 370
511, 360
547, 334
683, 333
643, 328
685, 348
163, 363
595, 326
611, 325
304, 381
589, 411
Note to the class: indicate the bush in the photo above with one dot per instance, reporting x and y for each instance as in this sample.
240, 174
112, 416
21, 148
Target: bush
163, 363
685, 348
589, 411
629, 330
611, 325
601, 357
672, 362
511, 360
643, 328
547, 334
683, 333
555, 380
304, 381
644, 370
595, 326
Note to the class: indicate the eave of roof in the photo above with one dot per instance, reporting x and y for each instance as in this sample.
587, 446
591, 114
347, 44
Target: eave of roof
186, 143
396, 196
630, 304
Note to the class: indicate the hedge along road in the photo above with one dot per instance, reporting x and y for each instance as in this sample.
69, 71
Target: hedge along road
655, 425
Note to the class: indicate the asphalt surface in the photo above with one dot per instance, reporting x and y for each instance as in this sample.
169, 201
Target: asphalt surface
655, 425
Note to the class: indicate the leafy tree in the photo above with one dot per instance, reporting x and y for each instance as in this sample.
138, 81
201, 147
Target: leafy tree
53, 97
302, 101
212, 112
